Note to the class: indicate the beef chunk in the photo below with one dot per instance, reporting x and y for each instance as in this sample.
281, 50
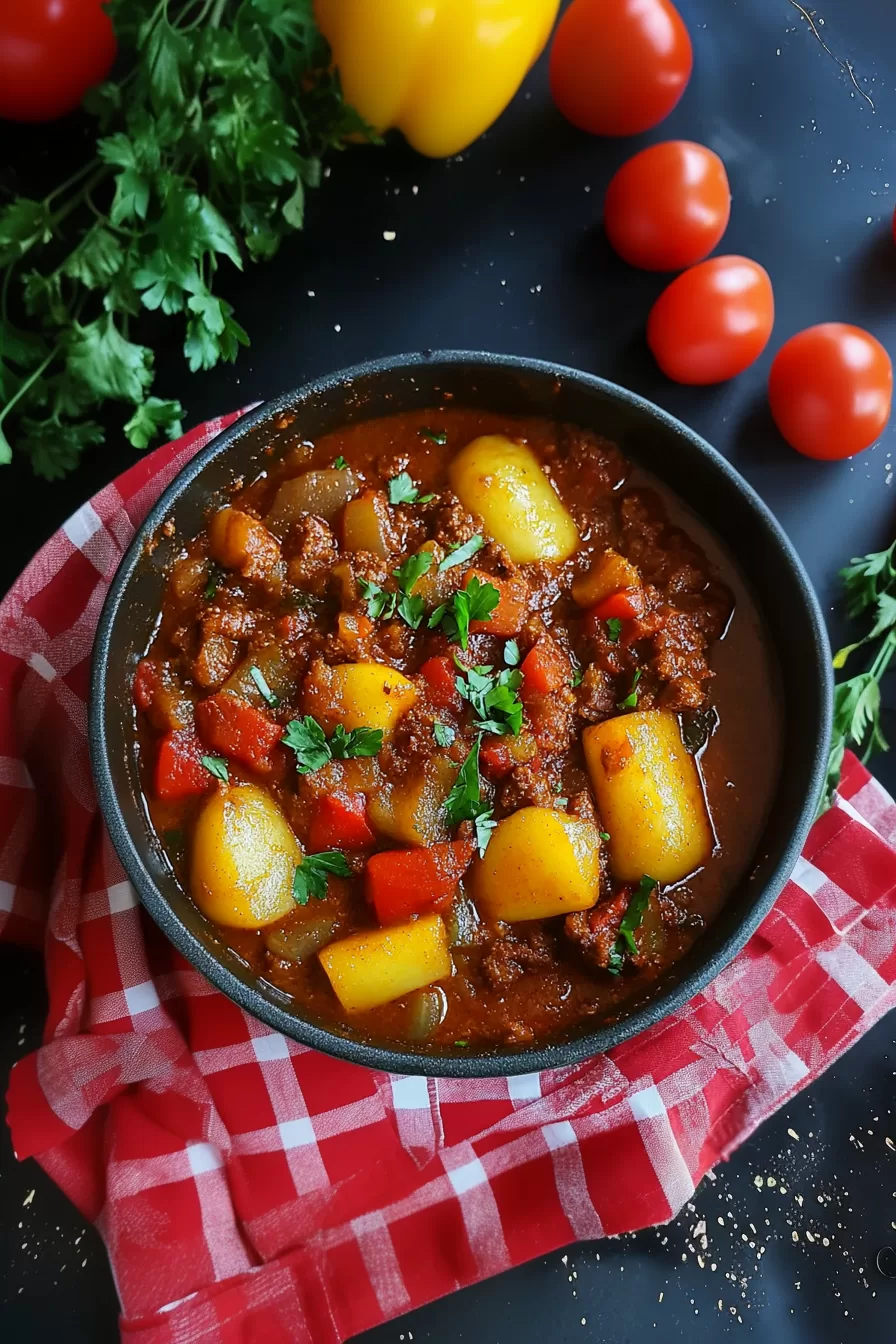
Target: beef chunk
511, 955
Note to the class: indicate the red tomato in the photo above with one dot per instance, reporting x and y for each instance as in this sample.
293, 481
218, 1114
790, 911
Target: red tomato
668, 207
713, 321
619, 67
831, 389
51, 53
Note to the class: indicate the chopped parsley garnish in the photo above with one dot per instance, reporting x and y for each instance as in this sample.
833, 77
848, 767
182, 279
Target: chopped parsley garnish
402, 490
631, 921
443, 734
604, 835
631, 700
217, 766
614, 628
309, 742
434, 435
381, 603
512, 653
576, 678
340, 463
561, 802
496, 706
310, 878
461, 1043
475, 602
459, 554
214, 583
264, 689
465, 801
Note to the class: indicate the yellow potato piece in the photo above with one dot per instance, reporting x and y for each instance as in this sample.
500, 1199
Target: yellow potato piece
244, 859
503, 482
649, 794
372, 968
538, 863
358, 695
610, 573
413, 812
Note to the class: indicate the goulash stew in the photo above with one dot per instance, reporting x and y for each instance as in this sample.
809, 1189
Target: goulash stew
453, 729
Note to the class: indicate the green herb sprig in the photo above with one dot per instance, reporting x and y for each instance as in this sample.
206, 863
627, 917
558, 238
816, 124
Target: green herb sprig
310, 877
870, 584
308, 740
631, 921
474, 602
384, 604
494, 698
206, 146
402, 490
465, 801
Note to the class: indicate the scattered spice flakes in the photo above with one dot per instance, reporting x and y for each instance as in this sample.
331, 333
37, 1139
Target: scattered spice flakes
793, 1134
28, 1198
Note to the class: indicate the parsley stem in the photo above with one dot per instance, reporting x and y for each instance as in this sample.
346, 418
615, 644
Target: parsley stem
70, 181
27, 384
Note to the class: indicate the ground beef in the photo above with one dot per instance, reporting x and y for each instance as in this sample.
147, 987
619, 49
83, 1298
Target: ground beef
682, 693
679, 649
595, 931
597, 697
553, 720
512, 954
526, 786
581, 805
411, 744
452, 524
231, 619
312, 551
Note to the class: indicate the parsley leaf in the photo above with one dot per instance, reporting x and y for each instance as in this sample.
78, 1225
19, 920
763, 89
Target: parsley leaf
217, 766
340, 463
264, 689
604, 835
475, 602
310, 877
434, 435
458, 555
359, 742
631, 700
512, 653
214, 582
631, 921
576, 678
614, 628
495, 702
402, 490
309, 741
465, 801
380, 602
411, 609
443, 734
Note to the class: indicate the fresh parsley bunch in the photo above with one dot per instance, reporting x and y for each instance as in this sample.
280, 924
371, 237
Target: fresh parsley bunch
870, 583
207, 145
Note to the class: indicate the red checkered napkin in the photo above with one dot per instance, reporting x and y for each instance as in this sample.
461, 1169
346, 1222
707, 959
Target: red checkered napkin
248, 1188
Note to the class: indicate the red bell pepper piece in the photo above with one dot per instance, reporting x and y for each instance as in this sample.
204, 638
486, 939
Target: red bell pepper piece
509, 615
340, 822
232, 726
179, 769
627, 605
405, 882
439, 674
145, 681
545, 669
495, 758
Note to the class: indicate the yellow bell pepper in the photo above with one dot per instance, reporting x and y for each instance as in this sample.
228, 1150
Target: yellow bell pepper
439, 70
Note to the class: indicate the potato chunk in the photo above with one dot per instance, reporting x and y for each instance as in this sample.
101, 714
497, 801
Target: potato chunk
538, 863
366, 525
244, 859
610, 573
503, 482
375, 967
324, 493
358, 695
239, 541
412, 812
649, 794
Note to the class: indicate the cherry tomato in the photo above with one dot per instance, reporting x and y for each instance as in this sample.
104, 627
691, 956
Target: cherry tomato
51, 53
668, 207
618, 67
831, 389
713, 321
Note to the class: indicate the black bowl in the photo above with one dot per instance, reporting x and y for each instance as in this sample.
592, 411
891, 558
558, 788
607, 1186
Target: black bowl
649, 437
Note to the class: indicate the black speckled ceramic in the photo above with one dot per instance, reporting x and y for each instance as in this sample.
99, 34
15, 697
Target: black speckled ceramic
679, 457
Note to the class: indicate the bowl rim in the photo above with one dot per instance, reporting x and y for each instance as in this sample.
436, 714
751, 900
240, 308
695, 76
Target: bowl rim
492, 1063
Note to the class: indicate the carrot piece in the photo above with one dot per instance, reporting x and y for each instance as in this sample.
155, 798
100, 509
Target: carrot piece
405, 882
179, 769
509, 615
340, 822
627, 605
231, 725
439, 674
545, 668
